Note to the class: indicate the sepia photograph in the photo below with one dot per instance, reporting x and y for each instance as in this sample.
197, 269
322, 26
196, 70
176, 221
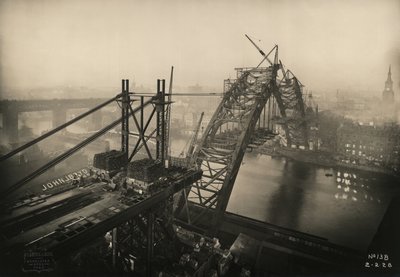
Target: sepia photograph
200, 138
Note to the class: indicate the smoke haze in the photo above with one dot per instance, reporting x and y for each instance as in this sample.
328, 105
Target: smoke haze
329, 45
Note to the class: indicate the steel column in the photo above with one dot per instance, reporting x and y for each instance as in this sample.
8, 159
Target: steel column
114, 246
150, 242
160, 108
125, 119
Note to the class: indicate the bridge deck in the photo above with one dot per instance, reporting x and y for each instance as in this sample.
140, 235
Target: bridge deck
67, 220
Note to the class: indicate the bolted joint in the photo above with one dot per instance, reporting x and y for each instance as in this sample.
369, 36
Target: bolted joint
159, 108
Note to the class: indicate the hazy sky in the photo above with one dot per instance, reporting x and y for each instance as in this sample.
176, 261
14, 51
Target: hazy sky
329, 45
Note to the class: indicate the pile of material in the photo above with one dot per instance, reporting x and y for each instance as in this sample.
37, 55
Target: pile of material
111, 160
146, 170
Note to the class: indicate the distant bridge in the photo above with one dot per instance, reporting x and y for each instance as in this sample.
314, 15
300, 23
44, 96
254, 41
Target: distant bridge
47, 104
11, 108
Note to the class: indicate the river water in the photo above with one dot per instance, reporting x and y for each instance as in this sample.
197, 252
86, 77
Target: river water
345, 208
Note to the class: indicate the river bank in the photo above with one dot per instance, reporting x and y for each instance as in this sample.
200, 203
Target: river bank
320, 158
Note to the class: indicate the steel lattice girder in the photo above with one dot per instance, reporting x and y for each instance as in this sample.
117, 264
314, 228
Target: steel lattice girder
220, 154
290, 102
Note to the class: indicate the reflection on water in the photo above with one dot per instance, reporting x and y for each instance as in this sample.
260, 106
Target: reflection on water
349, 187
343, 206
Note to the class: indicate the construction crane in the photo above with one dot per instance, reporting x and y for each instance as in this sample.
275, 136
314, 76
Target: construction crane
194, 138
263, 54
258, 48
193, 141
168, 117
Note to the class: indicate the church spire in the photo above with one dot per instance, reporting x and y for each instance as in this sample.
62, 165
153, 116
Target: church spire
389, 82
388, 93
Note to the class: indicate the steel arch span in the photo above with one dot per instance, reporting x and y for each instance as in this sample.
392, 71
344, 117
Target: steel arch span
220, 151
291, 116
